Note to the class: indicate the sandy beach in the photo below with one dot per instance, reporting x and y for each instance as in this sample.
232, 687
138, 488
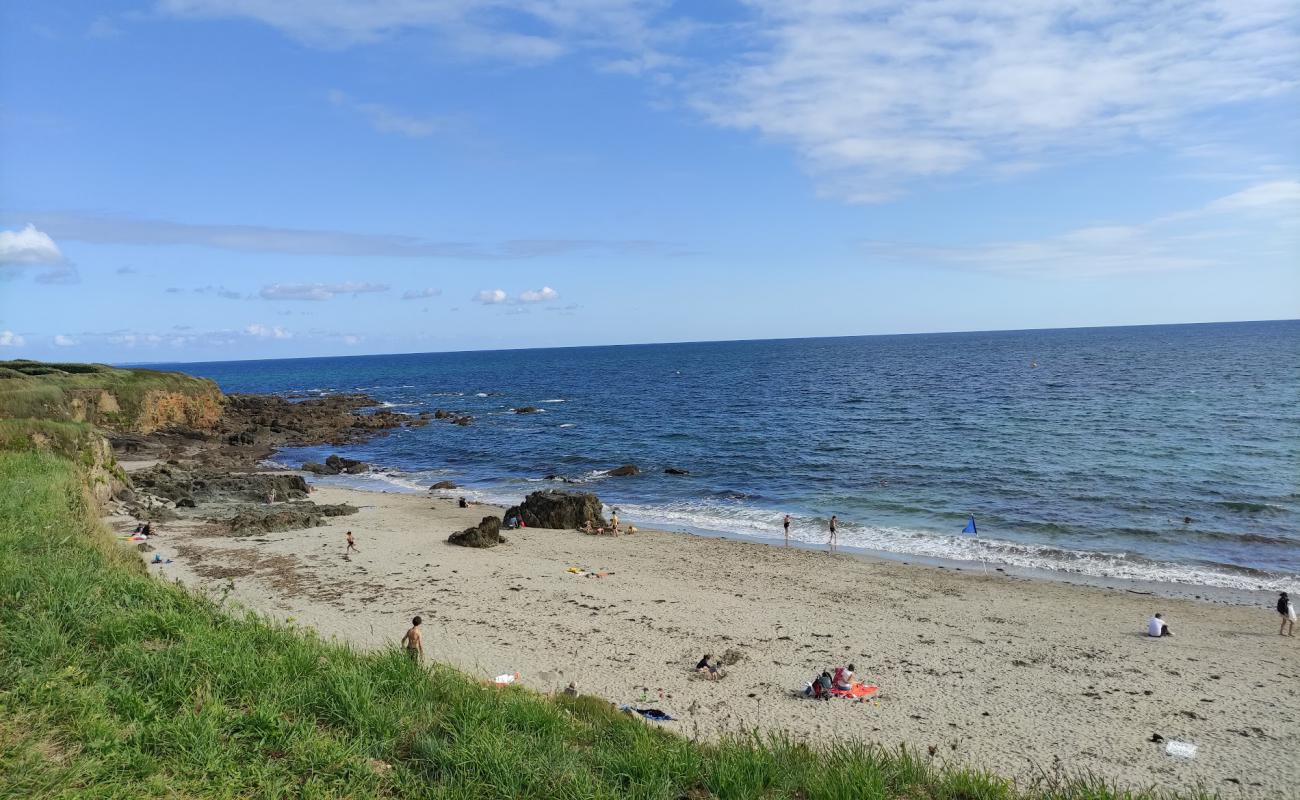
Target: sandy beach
1028, 678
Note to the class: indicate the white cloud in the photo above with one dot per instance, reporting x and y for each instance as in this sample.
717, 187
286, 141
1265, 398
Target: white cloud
28, 247
556, 27
420, 294
1208, 236
267, 331
1272, 196
385, 120
11, 339
872, 95
103, 28
542, 295
491, 296
64, 341
299, 242
317, 291
352, 339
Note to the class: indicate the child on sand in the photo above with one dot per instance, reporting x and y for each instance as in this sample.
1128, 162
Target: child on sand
1287, 611
352, 546
413, 641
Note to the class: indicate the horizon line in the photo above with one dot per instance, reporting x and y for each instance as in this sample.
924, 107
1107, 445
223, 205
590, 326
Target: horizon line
709, 341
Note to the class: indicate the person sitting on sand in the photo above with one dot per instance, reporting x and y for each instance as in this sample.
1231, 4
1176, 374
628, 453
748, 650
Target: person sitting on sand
1156, 627
587, 528
463, 503
706, 669
843, 679
630, 529
1287, 611
413, 641
822, 686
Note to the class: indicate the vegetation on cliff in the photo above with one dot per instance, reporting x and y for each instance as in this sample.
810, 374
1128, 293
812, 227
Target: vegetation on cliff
125, 400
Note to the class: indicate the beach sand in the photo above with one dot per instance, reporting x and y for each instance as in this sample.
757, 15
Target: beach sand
1027, 678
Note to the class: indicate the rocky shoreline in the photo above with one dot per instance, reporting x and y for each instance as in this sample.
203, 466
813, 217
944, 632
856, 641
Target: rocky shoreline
212, 474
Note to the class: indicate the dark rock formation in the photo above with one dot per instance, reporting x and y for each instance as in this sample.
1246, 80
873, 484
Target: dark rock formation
452, 417
527, 410
335, 465
676, 471
249, 520
624, 471
442, 485
560, 510
188, 487
486, 534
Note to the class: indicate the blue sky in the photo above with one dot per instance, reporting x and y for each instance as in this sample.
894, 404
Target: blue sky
222, 179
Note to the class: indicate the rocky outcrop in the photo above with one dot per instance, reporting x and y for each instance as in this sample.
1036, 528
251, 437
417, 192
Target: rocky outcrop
441, 485
187, 487
485, 534
559, 510
271, 421
624, 471
452, 417
337, 465
527, 410
676, 471
249, 520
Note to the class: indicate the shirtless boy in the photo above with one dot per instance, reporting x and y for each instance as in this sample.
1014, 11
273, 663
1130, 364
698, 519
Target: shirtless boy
413, 641
352, 546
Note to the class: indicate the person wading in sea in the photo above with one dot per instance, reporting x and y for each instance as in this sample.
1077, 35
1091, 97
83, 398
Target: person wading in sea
835, 526
786, 523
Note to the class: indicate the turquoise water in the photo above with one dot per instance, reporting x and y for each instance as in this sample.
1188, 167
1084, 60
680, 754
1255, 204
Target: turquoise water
1076, 450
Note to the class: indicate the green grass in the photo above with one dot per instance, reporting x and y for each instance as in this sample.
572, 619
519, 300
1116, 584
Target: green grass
37, 390
116, 685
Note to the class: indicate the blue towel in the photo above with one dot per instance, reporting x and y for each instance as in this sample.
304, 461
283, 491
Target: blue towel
650, 713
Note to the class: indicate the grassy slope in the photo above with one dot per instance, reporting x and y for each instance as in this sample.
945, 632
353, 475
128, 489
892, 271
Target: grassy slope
34, 390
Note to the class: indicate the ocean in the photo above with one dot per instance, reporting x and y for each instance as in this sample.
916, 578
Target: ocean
1082, 451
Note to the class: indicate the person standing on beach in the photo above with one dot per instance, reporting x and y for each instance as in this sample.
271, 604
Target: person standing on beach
413, 641
352, 546
786, 523
1287, 611
835, 526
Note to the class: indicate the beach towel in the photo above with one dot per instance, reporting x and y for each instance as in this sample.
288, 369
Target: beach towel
857, 690
650, 713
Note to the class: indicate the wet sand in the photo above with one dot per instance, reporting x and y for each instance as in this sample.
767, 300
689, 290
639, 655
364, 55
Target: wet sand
1028, 678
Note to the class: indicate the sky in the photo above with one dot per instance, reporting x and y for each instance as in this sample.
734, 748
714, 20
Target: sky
188, 180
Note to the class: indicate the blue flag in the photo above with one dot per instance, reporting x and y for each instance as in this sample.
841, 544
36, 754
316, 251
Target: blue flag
970, 527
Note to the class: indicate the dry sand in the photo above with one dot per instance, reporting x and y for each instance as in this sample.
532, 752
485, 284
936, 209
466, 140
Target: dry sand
1028, 678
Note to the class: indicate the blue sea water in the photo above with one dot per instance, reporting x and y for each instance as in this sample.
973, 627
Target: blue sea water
1078, 450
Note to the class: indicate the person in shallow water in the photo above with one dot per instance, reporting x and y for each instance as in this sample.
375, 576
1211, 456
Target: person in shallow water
413, 641
835, 526
786, 525
1157, 627
1287, 611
